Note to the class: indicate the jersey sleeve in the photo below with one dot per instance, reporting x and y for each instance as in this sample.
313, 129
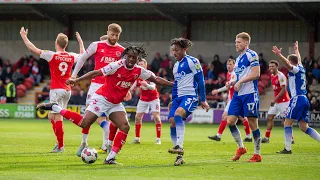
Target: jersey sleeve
194, 65
46, 55
110, 68
145, 74
233, 77
83, 57
295, 69
282, 80
253, 58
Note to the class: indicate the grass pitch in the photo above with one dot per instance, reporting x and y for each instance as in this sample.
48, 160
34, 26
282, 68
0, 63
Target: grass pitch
25, 146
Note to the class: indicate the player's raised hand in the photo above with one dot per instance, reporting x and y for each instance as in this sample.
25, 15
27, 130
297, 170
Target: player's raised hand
78, 37
214, 92
205, 105
296, 45
23, 32
276, 50
128, 96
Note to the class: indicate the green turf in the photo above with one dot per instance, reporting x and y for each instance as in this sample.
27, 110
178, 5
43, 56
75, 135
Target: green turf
24, 147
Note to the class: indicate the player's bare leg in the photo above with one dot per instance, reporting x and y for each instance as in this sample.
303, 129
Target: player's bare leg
253, 121
119, 118
138, 124
232, 122
246, 127
157, 120
222, 127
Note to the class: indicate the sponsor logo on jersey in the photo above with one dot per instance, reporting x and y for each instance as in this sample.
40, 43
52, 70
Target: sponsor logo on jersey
106, 59
180, 75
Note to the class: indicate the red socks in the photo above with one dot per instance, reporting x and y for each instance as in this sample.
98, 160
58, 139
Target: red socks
138, 127
53, 126
119, 141
246, 126
59, 133
158, 130
112, 131
268, 132
86, 130
72, 116
222, 126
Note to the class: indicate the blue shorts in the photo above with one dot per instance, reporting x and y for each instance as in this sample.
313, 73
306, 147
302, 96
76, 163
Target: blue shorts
188, 103
298, 108
245, 105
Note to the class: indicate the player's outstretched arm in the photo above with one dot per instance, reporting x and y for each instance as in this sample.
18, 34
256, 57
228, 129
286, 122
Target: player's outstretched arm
296, 51
160, 81
90, 51
284, 60
28, 43
87, 76
81, 46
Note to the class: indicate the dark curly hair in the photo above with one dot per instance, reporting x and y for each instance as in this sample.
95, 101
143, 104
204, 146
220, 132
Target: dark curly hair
182, 42
135, 49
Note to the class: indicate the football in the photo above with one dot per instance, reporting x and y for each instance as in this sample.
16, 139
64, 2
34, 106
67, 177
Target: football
89, 155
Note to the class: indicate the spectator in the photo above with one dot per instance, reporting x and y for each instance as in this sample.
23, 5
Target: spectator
263, 64
10, 91
25, 69
217, 65
314, 104
1, 63
134, 98
165, 62
7, 64
307, 63
203, 65
35, 73
45, 95
156, 63
314, 87
2, 92
165, 99
7, 72
316, 70
210, 75
18, 77
169, 71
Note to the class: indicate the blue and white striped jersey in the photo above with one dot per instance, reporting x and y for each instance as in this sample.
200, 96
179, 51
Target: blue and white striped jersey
297, 81
188, 77
242, 68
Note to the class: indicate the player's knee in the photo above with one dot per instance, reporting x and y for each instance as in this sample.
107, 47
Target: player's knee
125, 127
85, 124
180, 112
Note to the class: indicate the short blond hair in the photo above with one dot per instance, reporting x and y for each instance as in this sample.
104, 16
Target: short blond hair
143, 60
245, 36
62, 40
114, 27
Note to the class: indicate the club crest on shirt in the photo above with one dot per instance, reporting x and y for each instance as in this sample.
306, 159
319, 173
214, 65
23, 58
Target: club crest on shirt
118, 53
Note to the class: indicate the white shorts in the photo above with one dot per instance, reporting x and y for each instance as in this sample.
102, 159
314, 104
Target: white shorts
100, 105
279, 109
60, 96
143, 106
226, 109
92, 89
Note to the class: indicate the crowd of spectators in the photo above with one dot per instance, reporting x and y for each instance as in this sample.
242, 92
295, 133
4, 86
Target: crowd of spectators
313, 77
